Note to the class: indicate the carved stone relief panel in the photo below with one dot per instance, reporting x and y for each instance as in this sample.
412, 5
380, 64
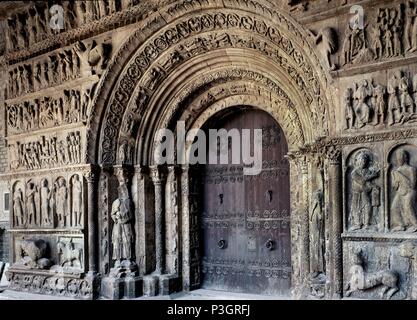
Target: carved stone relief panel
389, 33
70, 106
363, 190
378, 269
34, 24
49, 202
377, 101
48, 151
70, 251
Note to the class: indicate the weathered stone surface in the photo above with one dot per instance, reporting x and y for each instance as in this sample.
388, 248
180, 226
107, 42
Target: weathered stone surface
92, 213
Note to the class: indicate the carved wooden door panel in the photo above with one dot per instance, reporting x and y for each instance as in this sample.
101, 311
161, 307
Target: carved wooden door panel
246, 219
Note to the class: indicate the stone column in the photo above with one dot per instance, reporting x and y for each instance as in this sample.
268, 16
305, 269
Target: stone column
158, 178
185, 212
92, 177
305, 223
336, 210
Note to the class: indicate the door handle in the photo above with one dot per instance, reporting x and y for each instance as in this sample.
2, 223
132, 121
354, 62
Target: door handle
221, 244
270, 244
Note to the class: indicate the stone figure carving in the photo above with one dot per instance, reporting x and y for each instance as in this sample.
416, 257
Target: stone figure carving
379, 104
394, 111
362, 109
406, 102
32, 254
404, 203
18, 210
46, 208
122, 235
364, 192
327, 41
360, 280
348, 107
77, 201
61, 202
31, 212
69, 255
317, 234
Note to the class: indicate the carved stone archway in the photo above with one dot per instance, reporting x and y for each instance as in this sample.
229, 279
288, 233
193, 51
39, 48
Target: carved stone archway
198, 61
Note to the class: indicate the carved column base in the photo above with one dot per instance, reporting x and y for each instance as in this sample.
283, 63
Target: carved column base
150, 286
118, 288
169, 283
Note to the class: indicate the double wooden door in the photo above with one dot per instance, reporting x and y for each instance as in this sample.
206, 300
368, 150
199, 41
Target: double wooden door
246, 219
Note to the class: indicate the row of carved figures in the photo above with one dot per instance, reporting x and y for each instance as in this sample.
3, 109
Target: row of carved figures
370, 104
55, 69
365, 189
47, 205
394, 33
46, 152
70, 107
38, 22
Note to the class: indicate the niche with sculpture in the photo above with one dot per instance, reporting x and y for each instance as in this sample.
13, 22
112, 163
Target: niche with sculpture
363, 192
402, 189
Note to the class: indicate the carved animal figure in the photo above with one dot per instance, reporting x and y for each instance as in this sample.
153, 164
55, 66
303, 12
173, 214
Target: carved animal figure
32, 253
360, 280
69, 255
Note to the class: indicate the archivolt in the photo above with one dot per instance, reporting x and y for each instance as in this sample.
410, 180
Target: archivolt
242, 40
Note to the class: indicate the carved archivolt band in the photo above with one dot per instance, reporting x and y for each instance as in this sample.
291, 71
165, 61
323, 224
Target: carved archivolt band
150, 65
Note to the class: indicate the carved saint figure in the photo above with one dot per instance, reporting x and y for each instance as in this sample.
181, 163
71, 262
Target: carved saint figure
404, 204
122, 229
317, 233
327, 41
31, 203
18, 211
76, 201
362, 191
61, 201
46, 195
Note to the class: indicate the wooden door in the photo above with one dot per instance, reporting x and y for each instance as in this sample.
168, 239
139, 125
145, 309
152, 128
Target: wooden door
246, 219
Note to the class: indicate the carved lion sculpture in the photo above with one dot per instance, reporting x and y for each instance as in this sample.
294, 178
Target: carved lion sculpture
32, 253
361, 280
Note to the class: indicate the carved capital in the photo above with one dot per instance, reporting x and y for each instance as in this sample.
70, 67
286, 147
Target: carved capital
158, 174
92, 175
333, 154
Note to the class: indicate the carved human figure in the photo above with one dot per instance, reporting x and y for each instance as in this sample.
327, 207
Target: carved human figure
377, 41
410, 14
61, 201
347, 46
406, 102
76, 201
317, 233
362, 188
362, 109
379, 104
348, 107
394, 112
404, 203
46, 209
31, 191
414, 32
18, 211
122, 229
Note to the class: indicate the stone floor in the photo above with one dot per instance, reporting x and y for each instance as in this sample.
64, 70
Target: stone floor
200, 294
